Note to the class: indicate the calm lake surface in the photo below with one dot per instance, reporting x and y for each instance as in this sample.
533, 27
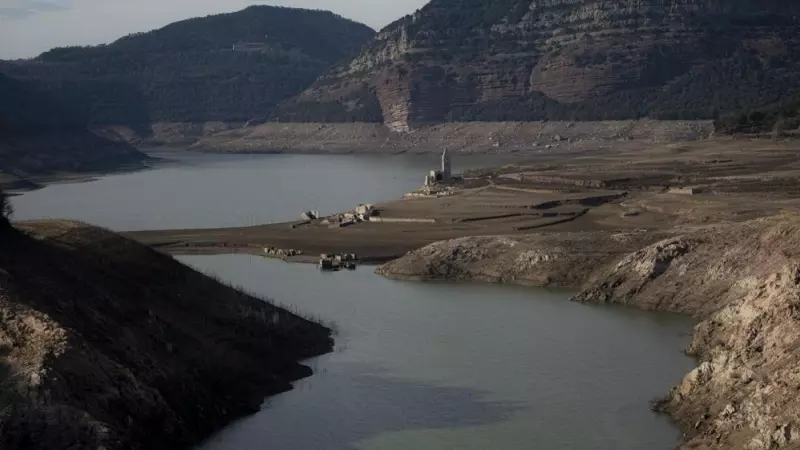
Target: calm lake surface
461, 366
192, 190
416, 365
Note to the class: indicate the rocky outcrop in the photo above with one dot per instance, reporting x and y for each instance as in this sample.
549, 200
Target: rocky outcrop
106, 344
741, 280
528, 60
546, 259
744, 282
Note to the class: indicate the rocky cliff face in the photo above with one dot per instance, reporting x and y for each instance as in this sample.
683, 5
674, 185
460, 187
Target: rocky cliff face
564, 59
744, 281
107, 344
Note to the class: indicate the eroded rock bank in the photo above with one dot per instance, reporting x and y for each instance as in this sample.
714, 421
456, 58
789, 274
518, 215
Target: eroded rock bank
107, 344
364, 137
741, 280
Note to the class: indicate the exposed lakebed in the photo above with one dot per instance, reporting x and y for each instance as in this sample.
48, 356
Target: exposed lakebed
416, 365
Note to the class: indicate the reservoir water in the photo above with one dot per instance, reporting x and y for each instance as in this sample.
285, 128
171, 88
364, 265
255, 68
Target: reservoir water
416, 365
461, 366
193, 190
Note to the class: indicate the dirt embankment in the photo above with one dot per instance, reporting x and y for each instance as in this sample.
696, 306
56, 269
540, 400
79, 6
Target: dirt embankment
107, 344
359, 137
742, 280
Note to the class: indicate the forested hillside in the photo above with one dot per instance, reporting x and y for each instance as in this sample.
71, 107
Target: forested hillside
25, 109
780, 117
39, 134
228, 67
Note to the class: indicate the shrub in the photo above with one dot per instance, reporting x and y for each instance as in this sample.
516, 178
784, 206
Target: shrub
6, 208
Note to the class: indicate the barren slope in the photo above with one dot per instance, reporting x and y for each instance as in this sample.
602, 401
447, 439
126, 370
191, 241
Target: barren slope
107, 344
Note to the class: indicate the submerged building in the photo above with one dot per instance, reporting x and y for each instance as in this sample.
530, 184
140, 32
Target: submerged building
443, 175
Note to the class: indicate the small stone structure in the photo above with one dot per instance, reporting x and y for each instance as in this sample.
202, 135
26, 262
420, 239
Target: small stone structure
364, 212
281, 253
310, 215
339, 261
685, 190
443, 175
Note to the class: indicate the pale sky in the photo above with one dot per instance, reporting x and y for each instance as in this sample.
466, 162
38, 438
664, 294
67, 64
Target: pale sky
29, 27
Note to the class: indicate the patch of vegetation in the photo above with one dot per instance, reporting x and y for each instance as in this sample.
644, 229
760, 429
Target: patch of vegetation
776, 118
358, 106
25, 109
227, 67
39, 134
6, 211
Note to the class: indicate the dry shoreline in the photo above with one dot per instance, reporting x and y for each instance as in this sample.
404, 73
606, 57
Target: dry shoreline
707, 229
362, 137
16, 185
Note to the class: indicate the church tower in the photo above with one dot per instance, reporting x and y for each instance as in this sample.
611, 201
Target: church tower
447, 171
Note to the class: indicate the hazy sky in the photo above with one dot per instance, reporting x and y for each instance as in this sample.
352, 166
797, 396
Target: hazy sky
29, 27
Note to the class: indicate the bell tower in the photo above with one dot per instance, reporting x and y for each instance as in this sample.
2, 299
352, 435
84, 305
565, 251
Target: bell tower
447, 171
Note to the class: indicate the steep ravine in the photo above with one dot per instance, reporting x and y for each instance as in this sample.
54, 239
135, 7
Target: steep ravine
741, 280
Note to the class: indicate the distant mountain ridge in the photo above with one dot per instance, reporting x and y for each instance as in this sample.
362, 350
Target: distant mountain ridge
500, 60
226, 67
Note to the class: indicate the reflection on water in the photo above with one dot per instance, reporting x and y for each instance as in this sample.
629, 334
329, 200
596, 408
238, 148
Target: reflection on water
441, 366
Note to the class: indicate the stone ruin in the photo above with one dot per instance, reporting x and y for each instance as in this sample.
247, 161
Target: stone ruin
443, 175
338, 261
281, 253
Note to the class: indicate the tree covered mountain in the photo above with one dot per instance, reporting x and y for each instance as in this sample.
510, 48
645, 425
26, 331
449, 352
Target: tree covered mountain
227, 67
777, 118
27, 109
39, 134
497, 60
